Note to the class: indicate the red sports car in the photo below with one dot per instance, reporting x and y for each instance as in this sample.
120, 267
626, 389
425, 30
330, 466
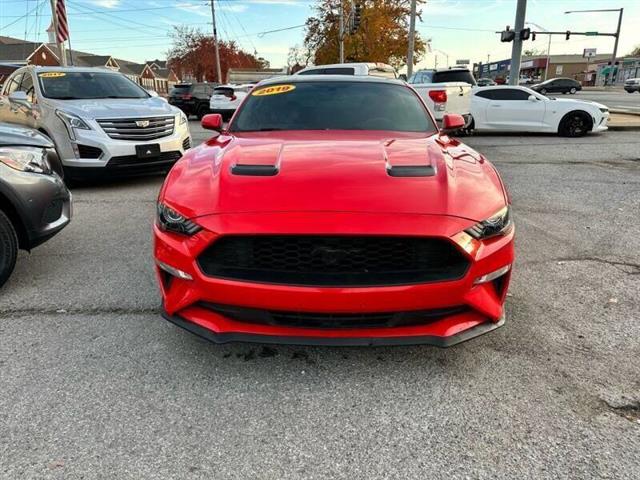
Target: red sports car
333, 211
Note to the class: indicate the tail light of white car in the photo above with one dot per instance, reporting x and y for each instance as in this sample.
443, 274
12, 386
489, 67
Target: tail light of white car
439, 98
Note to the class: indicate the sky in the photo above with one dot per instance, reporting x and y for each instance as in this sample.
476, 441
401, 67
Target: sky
138, 30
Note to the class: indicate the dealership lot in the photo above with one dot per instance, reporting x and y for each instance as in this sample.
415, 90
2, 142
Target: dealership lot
95, 383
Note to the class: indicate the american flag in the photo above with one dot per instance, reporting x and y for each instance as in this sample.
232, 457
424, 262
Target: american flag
63, 27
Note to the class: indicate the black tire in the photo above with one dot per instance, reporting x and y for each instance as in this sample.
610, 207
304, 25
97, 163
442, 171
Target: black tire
202, 111
573, 90
575, 124
8, 248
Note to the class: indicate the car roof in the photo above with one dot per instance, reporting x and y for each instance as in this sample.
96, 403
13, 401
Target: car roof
353, 64
329, 79
38, 68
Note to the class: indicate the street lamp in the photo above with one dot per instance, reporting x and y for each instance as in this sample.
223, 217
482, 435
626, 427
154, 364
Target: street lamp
546, 69
617, 34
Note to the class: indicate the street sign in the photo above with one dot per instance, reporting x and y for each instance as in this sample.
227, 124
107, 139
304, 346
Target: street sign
464, 61
589, 52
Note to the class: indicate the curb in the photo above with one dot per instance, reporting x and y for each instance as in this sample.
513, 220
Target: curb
624, 128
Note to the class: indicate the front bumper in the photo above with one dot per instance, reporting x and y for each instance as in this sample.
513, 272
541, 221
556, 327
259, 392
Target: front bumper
185, 300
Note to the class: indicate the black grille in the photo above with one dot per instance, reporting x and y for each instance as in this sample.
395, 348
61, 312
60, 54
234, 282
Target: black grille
333, 260
87, 151
186, 144
333, 320
131, 161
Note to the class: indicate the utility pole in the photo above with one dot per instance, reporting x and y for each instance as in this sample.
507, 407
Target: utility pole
615, 45
341, 33
516, 50
54, 19
215, 42
412, 38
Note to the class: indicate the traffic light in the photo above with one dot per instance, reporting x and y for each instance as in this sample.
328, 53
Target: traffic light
357, 17
525, 34
507, 35
533, 36
568, 35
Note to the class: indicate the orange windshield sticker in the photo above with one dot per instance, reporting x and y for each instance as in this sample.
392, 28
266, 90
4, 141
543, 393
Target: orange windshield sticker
275, 90
52, 75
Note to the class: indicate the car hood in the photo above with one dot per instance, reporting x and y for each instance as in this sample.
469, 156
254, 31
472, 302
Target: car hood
26, 137
571, 101
115, 108
334, 172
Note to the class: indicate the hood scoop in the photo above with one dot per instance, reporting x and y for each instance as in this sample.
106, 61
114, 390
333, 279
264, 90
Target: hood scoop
408, 158
257, 160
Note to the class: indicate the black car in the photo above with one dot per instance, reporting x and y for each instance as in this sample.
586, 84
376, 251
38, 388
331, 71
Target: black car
34, 202
485, 82
192, 98
558, 85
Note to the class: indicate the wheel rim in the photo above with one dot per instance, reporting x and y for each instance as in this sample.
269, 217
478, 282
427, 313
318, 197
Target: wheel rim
576, 126
573, 90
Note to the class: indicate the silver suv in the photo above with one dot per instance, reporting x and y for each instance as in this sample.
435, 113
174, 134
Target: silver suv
100, 121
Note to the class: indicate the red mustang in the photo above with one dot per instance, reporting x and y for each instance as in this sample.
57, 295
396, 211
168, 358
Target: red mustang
332, 211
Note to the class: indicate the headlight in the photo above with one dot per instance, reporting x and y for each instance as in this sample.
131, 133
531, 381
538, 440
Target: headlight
72, 122
25, 159
171, 221
498, 224
183, 118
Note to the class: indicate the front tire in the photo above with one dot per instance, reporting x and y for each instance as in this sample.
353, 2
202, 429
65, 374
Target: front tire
575, 124
8, 248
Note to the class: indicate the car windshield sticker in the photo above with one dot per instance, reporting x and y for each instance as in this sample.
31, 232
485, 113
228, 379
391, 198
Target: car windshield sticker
52, 74
275, 90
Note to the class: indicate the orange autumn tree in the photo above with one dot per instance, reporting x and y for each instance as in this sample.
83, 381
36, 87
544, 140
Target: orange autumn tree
383, 35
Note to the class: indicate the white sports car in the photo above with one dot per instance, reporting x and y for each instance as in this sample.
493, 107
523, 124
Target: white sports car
520, 109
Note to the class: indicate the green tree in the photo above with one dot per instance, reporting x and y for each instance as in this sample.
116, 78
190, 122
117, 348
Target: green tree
382, 35
635, 52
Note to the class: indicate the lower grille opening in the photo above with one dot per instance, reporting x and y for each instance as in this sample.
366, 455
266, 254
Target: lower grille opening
129, 161
333, 260
87, 151
333, 320
186, 144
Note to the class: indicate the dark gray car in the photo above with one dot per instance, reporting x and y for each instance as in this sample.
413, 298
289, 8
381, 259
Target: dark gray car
34, 202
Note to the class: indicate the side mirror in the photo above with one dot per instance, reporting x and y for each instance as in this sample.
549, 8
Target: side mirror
153, 93
212, 121
452, 122
533, 98
19, 97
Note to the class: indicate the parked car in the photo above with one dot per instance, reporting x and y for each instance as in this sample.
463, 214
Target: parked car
226, 99
100, 121
34, 201
485, 82
443, 75
632, 85
520, 109
446, 90
558, 85
333, 211
372, 69
192, 98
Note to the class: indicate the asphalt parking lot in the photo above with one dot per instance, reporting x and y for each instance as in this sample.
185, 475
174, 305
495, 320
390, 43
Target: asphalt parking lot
94, 384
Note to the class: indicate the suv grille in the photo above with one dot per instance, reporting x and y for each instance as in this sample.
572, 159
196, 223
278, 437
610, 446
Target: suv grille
333, 320
333, 260
138, 128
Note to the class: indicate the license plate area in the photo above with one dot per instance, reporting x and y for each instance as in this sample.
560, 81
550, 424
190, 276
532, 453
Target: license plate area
148, 151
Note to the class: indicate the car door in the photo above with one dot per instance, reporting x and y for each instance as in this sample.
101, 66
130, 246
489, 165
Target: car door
510, 109
9, 109
480, 102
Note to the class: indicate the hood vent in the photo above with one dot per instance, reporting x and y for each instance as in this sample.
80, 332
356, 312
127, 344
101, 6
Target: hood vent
411, 171
255, 170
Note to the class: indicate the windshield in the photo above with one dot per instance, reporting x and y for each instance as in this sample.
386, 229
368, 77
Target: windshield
180, 90
332, 106
88, 85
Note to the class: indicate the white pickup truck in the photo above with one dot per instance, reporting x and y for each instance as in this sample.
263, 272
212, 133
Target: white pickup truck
445, 91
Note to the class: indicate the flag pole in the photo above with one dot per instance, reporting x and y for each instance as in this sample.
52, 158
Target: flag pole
54, 18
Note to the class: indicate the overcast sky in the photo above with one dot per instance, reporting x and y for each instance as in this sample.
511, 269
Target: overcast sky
138, 29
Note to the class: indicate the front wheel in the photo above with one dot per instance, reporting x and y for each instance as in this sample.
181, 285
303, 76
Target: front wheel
8, 248
575, 124
573, 91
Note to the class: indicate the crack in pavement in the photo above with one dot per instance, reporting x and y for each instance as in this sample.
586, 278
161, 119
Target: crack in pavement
635, 267
630, 410
12, 312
